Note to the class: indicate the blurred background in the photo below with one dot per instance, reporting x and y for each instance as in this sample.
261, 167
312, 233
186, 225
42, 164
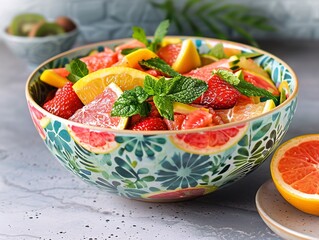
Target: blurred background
100, 20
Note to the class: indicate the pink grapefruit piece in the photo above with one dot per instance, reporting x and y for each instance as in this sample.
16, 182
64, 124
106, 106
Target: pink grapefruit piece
39, 119
204, 73
93, 140
98, 112
209, 142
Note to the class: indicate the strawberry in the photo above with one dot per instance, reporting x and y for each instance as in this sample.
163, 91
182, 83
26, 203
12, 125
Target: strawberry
219, 95
150, 123
153, 113
197, 119
65, 102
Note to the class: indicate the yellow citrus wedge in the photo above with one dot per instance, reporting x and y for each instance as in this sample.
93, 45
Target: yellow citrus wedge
52, 78
90, 86
186, 108
132, 59
170, 40
188, 58
295, 172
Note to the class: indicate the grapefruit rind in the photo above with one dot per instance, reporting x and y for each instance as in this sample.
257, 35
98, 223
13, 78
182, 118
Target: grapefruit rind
178, 141
109, 146
308, 203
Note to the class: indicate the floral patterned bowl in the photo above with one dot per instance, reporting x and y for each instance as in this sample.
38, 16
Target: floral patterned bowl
162, 166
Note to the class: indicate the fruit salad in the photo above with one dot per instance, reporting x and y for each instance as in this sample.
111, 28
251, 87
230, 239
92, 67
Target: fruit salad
162, 83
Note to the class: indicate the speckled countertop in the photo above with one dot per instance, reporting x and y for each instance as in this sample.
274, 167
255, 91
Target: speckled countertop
39, 199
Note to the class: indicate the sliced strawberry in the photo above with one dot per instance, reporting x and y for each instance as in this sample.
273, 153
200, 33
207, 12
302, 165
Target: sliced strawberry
197, 119
149, 124
220, 94
65, 102
176, 124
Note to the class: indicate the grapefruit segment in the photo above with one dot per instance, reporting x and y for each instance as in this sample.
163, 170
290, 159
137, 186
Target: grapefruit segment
98, 112
295, 172
209, 142
93, 140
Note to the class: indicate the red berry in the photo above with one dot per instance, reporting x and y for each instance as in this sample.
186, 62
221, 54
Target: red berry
219, 95
65, 102
150, 123
197, 119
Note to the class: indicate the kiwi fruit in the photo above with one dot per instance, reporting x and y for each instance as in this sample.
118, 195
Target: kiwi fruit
43, 29
22, 24
66, 23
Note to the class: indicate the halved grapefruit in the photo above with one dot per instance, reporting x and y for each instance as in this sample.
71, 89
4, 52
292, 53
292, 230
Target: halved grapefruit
93, 140
209, 142
295, 172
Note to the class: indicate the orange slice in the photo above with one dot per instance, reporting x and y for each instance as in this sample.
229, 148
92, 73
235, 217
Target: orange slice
88, 87
295, 172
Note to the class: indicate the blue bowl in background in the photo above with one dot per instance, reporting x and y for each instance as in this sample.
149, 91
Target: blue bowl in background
36, 50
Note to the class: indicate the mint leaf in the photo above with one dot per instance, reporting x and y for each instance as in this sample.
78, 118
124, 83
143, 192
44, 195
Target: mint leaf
185, 89
244, 87
131, 102
159, 65
77, 69
149, 85
159, 34
164, 106
249, 89
217, 51
227, 76
161, 87
139, 34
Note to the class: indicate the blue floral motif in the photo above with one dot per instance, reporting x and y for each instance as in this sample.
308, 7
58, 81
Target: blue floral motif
183, 170
58, 136
141, 145
116, 187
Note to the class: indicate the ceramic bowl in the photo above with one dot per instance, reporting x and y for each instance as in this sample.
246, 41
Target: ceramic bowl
38, 49
163, 166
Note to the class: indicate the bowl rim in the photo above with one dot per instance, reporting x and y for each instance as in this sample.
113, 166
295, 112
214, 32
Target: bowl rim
25, 39
164, 132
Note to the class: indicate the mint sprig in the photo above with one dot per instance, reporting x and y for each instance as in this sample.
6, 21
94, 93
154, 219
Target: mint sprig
77, 69
160, 65
164, 92
244, 87
160, 32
